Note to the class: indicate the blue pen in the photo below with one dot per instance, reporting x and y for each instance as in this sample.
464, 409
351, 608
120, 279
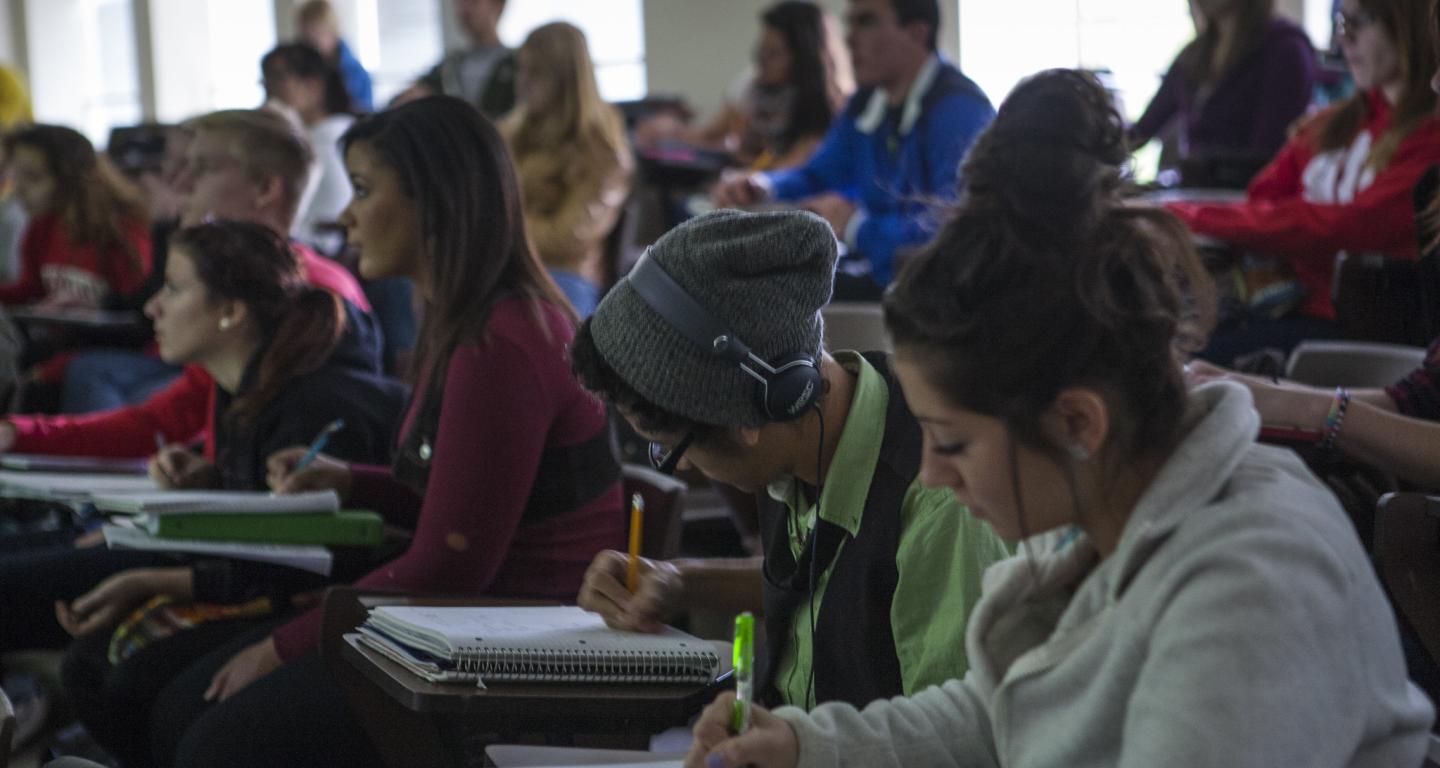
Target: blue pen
319, 444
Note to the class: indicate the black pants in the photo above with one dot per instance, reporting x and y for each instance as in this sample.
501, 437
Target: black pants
32, 580
296, 715
1235, 338
115, 701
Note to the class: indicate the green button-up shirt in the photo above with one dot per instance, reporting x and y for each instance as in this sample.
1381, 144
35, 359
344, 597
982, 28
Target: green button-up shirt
940, 558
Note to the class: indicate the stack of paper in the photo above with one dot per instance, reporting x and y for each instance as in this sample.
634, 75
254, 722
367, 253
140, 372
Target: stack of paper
215, 502
70, 486
310, 558
95, 465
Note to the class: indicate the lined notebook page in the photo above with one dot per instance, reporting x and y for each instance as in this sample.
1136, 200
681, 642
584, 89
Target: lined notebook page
565, 627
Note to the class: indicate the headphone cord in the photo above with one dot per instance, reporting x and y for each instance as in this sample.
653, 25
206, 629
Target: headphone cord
815, 550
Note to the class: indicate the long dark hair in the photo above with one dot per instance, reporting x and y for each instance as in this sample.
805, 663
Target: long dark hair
301, 324
1043, 256
1407, 24
1252, 18
93, 200
802, 25
453, 164
302, 60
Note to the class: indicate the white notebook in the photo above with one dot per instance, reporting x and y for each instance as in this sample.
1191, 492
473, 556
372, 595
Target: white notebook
71, 486
526, 644
313, 558
216, 502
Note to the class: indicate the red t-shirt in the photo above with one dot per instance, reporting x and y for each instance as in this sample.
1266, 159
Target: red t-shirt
52, 266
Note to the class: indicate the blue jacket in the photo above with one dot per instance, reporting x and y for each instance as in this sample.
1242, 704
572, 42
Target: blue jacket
894, 191
357, 80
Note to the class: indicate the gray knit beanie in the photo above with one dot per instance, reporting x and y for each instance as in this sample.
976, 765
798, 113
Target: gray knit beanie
765, 275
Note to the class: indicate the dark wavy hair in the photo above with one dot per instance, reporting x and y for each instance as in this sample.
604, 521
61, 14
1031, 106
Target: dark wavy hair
1042, 255
302, 60
301, 324
802, 25
92, 199
455, 167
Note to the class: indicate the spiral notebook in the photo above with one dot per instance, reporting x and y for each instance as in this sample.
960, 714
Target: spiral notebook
532, 644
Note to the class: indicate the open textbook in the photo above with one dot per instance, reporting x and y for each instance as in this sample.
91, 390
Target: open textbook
532, 644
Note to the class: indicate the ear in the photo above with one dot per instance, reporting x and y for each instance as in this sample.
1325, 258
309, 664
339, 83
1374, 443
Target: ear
748, 437
918, 32
234, 313
270, 193
1078, 421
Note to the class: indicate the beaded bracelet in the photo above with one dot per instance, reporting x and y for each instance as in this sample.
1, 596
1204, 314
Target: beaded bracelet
1335, 418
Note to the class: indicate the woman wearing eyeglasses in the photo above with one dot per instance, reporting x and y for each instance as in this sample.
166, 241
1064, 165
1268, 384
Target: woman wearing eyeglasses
1344, 181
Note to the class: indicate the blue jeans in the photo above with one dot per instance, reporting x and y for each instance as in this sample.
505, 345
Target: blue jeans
582, 293
105, 379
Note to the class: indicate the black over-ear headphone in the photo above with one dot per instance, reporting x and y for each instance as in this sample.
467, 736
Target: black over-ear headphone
785, 390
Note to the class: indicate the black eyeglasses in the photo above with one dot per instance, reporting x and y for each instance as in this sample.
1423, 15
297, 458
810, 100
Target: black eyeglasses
665, 461
1351, 24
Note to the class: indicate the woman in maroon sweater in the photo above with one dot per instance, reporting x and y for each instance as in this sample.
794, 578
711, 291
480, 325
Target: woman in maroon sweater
505, 468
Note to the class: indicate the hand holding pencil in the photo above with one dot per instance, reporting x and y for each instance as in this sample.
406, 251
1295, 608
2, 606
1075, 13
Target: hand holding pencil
645, 609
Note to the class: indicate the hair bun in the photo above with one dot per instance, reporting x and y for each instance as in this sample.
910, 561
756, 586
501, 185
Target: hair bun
1054, 156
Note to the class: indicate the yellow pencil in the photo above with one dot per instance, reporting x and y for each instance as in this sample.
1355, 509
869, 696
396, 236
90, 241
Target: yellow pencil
637, 527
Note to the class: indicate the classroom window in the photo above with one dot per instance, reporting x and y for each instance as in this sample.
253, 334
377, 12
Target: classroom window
206, 54
241, 33
411, 44
1135, 39
84, 70
615, 30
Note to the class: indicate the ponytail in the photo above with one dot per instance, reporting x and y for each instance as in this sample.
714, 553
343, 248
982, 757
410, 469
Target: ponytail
301, 342
300, 325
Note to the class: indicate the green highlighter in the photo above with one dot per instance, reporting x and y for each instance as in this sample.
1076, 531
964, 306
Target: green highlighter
744, 671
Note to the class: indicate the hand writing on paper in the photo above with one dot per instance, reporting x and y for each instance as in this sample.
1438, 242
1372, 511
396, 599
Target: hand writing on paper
105, 605
769, 743
324, 473
176, 467
646, 610
243, 669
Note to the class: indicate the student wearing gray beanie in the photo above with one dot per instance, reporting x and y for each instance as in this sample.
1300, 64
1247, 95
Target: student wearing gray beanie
857, 554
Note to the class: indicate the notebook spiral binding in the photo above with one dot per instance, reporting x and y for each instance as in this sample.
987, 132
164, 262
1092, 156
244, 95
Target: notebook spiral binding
556, 665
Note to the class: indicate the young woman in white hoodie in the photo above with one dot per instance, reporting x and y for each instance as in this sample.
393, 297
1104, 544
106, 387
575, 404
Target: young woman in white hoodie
1201, 600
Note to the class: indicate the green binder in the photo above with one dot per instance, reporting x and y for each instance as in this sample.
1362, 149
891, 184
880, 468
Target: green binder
348, 527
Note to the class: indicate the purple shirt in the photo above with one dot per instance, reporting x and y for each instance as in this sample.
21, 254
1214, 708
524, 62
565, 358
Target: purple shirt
1249, 112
